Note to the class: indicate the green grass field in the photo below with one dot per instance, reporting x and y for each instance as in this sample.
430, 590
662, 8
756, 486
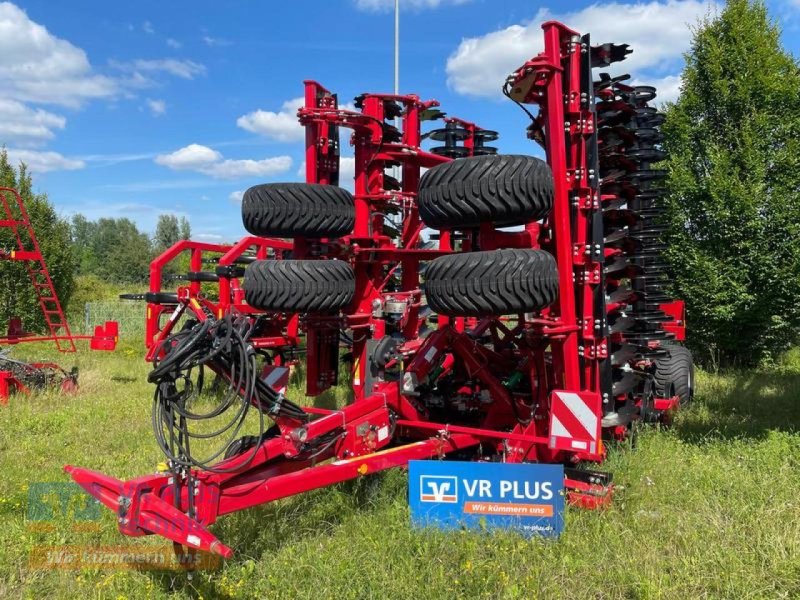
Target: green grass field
709, 508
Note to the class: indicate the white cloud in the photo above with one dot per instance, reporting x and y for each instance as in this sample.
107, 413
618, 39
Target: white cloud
157, 107
185, 69
282, 126
147, 27
238, 169
192, 157
347, 169
386, 5
37, 66
658, 32
42, 162
22, 124
236, 197
212, 41
203, 159
105, 160
173, 43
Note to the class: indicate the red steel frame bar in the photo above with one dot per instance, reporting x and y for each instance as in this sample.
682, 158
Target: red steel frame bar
230, 294
565, 358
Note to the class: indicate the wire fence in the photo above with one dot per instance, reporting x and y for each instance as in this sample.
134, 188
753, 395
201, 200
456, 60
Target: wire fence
129, 314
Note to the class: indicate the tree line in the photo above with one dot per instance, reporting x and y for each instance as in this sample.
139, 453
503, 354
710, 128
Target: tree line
78, 252
116, 251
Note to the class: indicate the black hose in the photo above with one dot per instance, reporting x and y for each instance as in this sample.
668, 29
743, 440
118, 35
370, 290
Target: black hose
179, 374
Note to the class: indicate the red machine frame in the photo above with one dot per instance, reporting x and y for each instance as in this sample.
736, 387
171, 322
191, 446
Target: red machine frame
561, 350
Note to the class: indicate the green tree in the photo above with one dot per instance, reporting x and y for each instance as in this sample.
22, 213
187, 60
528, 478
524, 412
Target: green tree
168, 232
17, 295
119, 251
82, 231
112, 249
733, 137
185, 229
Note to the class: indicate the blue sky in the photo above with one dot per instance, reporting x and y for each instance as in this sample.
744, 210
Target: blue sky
136, 109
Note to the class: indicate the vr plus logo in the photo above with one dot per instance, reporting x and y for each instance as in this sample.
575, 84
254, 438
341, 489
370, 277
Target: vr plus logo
438, 488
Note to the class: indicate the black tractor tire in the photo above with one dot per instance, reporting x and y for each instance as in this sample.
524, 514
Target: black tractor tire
502, 190
674, 374
494, 282
299, 286
298, 210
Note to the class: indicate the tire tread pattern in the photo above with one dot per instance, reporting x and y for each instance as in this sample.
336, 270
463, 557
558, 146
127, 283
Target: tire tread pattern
299, 286
298, 209
489, 283
675, 370
503, 190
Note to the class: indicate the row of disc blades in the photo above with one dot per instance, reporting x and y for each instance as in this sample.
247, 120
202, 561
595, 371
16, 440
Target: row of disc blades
629, 143
452, 134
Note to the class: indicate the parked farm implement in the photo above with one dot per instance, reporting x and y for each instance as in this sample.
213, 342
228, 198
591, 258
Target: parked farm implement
534, 344
20, 376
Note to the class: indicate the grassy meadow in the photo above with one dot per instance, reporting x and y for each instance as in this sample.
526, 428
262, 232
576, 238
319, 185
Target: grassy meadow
709, 508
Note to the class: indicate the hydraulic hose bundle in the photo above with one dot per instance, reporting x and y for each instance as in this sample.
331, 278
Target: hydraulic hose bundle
179, 372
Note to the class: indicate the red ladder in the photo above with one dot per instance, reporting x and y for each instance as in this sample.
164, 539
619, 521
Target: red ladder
17, 220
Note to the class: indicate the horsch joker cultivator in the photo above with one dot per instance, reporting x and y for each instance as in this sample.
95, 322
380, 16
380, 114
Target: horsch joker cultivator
529, 344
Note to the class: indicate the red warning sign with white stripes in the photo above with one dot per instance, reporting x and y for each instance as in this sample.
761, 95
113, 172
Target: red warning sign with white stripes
276, 377
574, 421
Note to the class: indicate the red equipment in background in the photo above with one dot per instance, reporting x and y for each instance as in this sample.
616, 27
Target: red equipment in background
164, 309
579, 360
16, 375
20, 377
